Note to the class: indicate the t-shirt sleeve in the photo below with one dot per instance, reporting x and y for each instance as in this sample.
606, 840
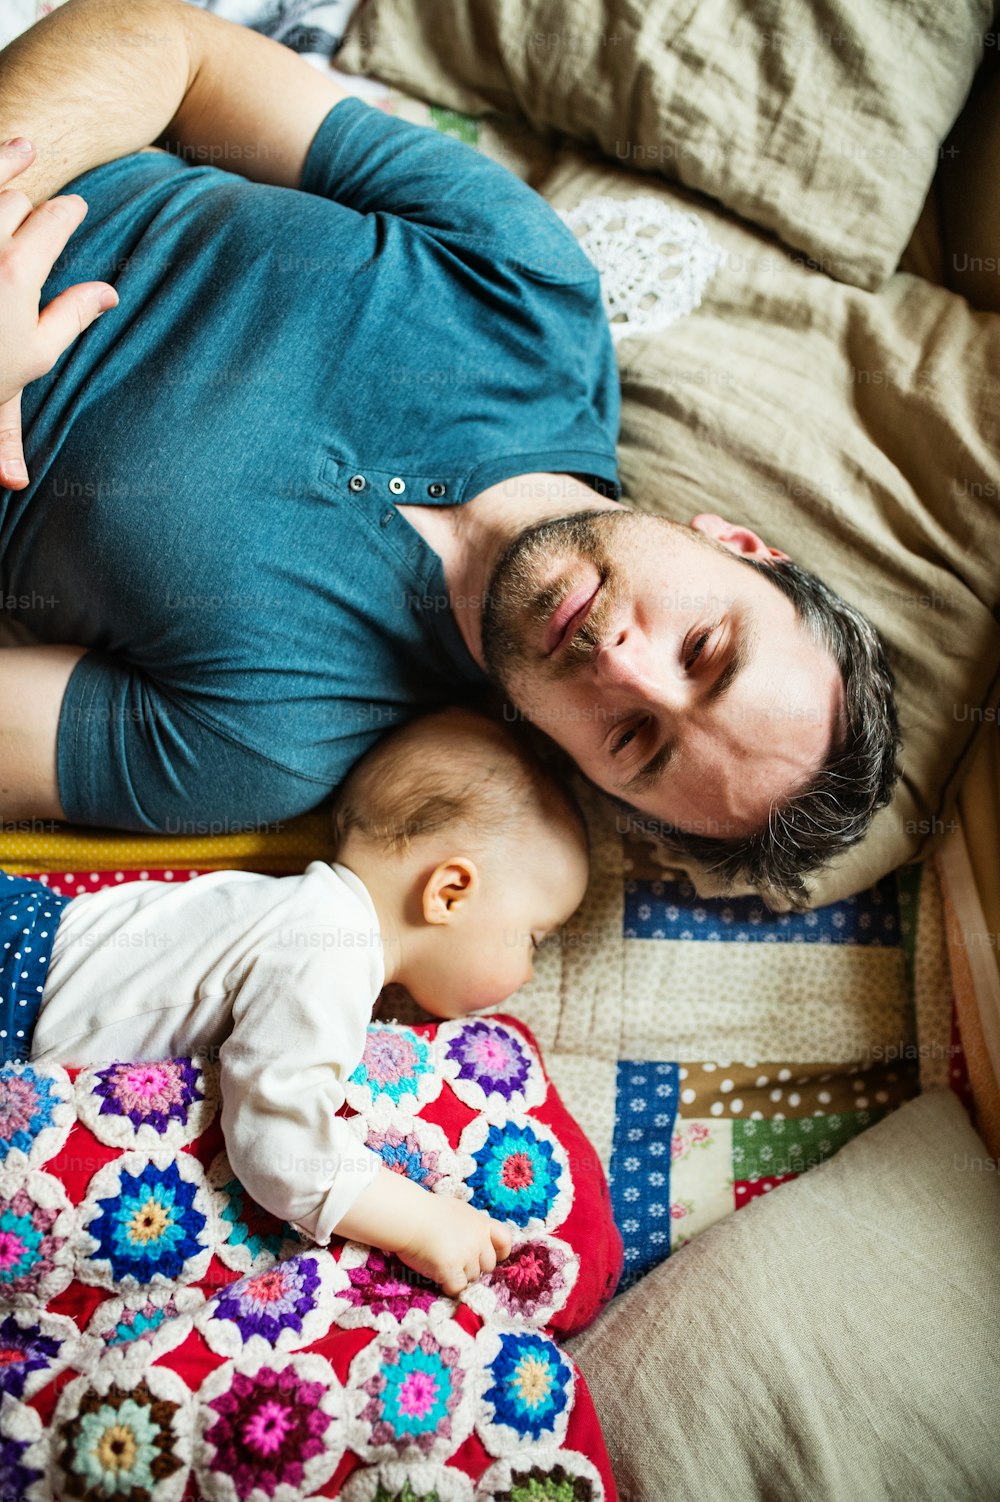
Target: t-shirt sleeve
282, 1077
377, 163
134, 755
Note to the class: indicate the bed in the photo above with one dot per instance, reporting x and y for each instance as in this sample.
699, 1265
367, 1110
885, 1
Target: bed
824, 1069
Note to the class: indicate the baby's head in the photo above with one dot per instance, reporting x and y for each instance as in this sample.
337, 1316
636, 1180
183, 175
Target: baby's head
471, 850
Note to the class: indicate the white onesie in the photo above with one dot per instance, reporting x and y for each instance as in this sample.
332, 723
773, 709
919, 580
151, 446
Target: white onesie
275, 976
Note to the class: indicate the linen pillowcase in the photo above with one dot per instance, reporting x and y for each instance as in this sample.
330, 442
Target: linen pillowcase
821, 123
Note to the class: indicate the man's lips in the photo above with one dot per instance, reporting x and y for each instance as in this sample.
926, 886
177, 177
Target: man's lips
569, 616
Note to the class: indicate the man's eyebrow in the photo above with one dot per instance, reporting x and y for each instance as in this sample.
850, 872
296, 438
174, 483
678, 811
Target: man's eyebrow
739, 658
648, 774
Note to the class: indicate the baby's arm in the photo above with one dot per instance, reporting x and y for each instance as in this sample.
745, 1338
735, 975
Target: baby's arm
443, 1238
282, 1075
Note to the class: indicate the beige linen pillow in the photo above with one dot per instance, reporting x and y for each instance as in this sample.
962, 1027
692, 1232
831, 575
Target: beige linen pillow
819, 122
835, 1340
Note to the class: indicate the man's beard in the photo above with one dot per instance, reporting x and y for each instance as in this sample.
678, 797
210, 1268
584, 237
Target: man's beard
516, 607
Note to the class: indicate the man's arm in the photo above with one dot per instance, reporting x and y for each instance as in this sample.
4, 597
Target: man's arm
98, 79
32, 683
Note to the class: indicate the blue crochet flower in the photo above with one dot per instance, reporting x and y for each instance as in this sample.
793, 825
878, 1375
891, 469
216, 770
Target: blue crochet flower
26, 1107
395, 1060
151, 1226
531, 1385
416, 1393
136, 1324
252, 1226
516, 1176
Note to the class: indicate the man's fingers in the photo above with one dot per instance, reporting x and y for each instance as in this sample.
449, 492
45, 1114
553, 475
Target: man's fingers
13, 470
69, 314
15, 209
14, 157
41, 236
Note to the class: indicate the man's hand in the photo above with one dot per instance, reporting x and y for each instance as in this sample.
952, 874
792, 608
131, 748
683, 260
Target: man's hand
31, 342
442, 1238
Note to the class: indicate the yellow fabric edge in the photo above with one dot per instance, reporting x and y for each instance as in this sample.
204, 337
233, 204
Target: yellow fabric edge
73, 848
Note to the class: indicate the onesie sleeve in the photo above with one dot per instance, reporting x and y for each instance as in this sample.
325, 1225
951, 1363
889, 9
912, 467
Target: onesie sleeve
285, 1142
299, 1028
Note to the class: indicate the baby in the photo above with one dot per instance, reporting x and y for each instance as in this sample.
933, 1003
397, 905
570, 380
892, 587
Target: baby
457, 853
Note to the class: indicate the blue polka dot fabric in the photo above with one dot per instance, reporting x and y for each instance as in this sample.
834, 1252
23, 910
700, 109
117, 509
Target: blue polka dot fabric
673, 910
29, 917
639, 1177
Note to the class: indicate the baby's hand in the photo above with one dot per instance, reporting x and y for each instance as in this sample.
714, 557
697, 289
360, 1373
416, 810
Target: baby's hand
442, 1238
454, 1243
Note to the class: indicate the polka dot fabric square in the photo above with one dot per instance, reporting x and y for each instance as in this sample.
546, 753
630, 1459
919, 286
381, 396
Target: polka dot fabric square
163, 1337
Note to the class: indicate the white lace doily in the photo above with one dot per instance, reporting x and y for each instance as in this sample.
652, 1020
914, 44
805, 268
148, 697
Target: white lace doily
655, 262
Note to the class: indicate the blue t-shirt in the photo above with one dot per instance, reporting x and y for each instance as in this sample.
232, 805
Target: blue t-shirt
215, 464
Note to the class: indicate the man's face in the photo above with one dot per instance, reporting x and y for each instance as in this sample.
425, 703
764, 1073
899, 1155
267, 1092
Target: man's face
677, 678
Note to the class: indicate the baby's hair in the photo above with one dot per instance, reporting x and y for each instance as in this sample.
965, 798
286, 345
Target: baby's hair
451, 768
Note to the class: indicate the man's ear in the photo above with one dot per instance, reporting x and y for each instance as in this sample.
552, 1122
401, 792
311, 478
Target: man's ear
737, 539
446, 889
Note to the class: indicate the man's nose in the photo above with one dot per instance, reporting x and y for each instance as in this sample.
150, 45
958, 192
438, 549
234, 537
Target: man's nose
627, 662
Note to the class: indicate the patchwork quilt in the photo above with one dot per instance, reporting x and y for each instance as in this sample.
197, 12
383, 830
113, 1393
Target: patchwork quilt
713, 1049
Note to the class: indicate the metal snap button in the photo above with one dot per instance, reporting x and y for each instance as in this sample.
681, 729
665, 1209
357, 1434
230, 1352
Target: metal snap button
396, 485
437, 489
357, 482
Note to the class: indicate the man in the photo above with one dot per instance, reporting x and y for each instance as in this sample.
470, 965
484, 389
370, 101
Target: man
349, 450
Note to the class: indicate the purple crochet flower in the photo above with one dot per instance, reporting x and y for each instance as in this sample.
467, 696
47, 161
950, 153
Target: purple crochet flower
15, 1476
491, 1057
152, 1094
268, 1302
23, 1351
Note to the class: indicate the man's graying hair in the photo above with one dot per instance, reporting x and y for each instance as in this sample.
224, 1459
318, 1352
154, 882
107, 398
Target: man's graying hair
835, 810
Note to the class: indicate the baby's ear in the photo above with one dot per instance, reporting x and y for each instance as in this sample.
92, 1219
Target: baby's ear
448, 888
